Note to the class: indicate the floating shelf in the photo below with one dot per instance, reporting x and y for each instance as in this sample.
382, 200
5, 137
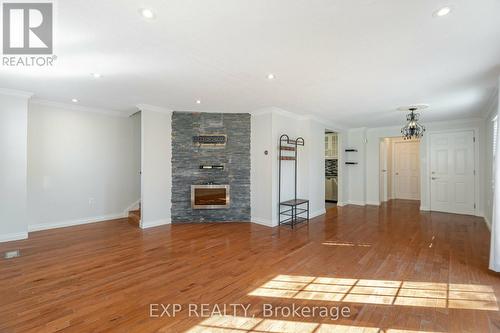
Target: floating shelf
351, 163
351, 150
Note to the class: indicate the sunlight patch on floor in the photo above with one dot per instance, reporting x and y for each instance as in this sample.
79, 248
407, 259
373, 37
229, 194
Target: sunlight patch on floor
386, 292
348, 244
226, 324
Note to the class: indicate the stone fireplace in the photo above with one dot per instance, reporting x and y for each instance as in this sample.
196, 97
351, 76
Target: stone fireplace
210, 167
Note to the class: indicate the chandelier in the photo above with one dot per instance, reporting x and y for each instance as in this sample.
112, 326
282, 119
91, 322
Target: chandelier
412, 130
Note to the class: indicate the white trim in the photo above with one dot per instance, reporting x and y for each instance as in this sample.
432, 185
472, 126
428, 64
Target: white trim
74, 107
63, 224
487, 222
357, 203
261, 221
424, 208
317, 213
491, 108
330, 124
16, 93
157, 223
148, 107
340, 204
13, 236
373, 203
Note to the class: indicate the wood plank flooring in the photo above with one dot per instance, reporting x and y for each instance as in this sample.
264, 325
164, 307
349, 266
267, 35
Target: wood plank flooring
394, 267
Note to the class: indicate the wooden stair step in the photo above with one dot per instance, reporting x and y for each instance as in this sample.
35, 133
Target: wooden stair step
288, 148
287, 158
134, 216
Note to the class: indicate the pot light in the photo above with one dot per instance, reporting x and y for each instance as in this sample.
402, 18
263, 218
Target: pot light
442, 11
96, 75
270, 76
147, 13
198, 101
74, 100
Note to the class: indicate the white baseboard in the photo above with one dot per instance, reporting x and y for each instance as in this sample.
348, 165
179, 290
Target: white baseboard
157, 223
340, 204
373, 203
63, 224
264, 222
317, 213
13, 236
424, 208
357, 203
488, 223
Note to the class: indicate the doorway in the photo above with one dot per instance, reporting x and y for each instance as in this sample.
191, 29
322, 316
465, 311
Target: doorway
399, 169
331, 168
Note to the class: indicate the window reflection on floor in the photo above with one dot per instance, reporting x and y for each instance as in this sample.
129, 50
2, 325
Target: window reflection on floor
387, 292
226, 324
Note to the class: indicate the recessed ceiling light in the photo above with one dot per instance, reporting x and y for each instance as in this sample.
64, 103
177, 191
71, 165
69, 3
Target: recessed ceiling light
270, 76
96, 75
74, 100
198, 102
147, 13
442, 11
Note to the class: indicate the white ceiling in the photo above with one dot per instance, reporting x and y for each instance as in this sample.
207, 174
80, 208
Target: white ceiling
351, 61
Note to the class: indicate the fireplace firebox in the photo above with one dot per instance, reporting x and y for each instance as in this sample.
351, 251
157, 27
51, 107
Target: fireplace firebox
210, 196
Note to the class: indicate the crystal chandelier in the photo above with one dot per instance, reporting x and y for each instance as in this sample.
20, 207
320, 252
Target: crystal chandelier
412, 130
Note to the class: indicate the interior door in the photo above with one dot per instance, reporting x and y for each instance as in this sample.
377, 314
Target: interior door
452, 172
407, 170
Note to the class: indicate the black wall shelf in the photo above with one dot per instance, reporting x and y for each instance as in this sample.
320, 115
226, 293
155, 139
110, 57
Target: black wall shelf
351, 163
351, 150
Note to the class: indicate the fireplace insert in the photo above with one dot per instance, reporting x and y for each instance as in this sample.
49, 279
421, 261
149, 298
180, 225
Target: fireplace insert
210, 196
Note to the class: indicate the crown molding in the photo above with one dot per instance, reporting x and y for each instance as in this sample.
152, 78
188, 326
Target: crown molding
73, 107
330, 124
16, 93
154, 108
493, 105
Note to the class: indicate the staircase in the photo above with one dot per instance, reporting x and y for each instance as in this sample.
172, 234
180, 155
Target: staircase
134, 216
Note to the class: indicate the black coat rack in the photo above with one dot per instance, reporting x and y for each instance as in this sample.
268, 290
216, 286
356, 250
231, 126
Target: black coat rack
294, 209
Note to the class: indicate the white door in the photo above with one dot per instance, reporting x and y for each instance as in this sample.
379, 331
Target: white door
452, 172
406, 170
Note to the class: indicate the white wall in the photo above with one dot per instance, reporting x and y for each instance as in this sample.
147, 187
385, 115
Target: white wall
492, 112
136, 155
364, 186
156, 134
261, 184
80, 166
13, 165
357, 173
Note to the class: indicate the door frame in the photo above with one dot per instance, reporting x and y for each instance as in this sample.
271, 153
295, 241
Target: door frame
340, 161
478, 210
383, 169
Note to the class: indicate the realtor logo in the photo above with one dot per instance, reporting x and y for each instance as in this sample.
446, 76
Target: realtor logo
27, 28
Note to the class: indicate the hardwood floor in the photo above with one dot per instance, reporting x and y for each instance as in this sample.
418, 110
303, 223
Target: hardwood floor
393, 266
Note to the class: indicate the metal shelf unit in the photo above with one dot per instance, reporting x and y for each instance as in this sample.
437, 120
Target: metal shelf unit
296, 210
